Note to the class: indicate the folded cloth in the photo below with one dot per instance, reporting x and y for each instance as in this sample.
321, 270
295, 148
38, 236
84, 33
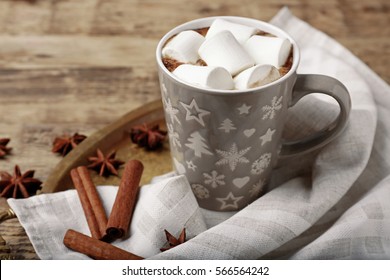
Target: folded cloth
329, 204
167, 203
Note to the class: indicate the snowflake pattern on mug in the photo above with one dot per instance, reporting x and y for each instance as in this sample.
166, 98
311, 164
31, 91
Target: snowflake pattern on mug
171, 111
200, 191
198, 141
164, 89
270, 110
257, 189
261, 164
214, 179
173, 136
232, 157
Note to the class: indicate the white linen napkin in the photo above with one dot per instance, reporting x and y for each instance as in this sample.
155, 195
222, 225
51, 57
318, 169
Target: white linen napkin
329, 204
167, 203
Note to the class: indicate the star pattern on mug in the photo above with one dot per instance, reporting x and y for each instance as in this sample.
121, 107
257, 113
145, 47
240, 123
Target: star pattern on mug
230, 201
191, 165
193, 112
267, 137
244, 109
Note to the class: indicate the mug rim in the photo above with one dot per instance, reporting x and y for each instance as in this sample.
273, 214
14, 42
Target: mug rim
251, 22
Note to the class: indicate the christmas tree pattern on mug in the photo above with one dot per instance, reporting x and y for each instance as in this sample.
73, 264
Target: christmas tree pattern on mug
200, 191
230, 201
227, 125
198, 144
193, 112
214, 179
261, 164
232, 157
271, 110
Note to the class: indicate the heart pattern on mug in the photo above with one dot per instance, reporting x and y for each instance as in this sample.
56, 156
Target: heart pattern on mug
249, 132
240, 182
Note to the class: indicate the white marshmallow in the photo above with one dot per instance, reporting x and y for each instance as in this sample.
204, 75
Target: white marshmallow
268, 50
184, 47
205, 76
240, 32
256, 76
224, 50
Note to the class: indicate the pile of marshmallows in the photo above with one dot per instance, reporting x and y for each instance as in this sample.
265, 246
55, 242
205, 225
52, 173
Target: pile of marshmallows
236, 58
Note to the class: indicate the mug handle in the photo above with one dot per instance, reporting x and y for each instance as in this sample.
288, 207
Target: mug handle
313, 83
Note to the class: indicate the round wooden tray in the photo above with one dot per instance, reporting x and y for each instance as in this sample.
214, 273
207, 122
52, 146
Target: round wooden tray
115, 137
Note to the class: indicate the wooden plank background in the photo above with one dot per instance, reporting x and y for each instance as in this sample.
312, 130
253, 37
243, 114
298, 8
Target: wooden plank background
78, 65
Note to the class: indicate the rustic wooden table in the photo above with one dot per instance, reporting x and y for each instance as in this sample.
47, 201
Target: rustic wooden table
76, 66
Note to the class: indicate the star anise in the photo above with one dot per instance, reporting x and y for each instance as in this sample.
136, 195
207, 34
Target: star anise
4, 150
64, 144
173, 241
19, 185
105, 165
151, 138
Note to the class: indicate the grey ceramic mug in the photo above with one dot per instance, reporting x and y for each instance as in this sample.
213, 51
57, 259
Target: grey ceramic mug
227, 142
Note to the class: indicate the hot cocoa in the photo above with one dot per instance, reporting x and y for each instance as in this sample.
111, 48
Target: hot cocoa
227, 56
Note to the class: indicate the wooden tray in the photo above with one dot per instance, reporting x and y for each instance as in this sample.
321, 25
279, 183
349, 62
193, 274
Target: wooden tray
115, 137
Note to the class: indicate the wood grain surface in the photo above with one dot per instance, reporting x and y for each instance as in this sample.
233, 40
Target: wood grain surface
78, 65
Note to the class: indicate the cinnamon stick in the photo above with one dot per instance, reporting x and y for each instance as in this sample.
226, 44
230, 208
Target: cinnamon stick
94, 248
90, 201
88, 211
122, 210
